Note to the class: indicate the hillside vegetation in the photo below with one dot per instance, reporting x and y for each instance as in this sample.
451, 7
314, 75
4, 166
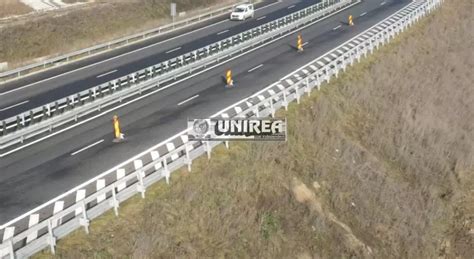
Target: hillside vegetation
59, 32
13, 7
379, 164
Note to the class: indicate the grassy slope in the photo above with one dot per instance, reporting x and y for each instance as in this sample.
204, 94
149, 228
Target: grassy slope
105, 20
13, 7
378, 164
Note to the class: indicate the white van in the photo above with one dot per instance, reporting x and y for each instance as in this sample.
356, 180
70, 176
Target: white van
242, 12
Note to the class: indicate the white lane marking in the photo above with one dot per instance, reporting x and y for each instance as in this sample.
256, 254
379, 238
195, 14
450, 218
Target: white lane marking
87, 147
260, 18
382, 3
189, 99
255, 68
131, 52
222, 32
291, 6
279, 2
173, 50
108, 73
306, 43
337, 27
362, 14
13, 106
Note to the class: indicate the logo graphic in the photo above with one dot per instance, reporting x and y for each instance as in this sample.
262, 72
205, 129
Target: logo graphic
256, 129
201, 127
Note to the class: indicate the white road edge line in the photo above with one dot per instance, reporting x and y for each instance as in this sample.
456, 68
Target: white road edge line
173, 50
102, 175
255, 68
124, 54
189, 99
13, 106
222, 32
87, 147
291, 6
337, 27
108, 73
362, 14
260, 18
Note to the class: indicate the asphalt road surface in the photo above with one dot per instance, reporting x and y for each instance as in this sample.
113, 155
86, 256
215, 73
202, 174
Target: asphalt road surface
43, 171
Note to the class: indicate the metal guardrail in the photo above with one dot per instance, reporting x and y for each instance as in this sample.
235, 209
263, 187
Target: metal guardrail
43, 120
43, 226
100, 48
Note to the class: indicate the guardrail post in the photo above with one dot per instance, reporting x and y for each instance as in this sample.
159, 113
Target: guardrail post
285, 100
91, 95
51, 237
272, 109
188, 161
114, 202
208, 149
4, 128
11, 250
45, 113
298, 96
318, 81
257, 112
18, 123
84, 221
166, 171
307, 87
140, 174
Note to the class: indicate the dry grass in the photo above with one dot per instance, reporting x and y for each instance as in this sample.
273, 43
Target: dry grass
388, 173
13, 7
65, 31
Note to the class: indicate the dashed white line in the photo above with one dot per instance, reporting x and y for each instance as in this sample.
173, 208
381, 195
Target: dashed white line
260, 18
13, 106
222, 32
291, 6
337, 27
189, 99
173, 50
108, 73
362, 14
85, 148
306, 43
382, 3
255, 68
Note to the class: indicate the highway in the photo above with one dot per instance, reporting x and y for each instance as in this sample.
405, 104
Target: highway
31, 92
43, 171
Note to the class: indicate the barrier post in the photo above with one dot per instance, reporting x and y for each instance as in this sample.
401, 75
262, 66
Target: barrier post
228, 78
118, 135
299, 44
